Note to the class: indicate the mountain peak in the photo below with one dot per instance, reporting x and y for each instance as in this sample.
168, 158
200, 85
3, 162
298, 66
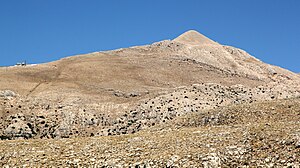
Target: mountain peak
192, 37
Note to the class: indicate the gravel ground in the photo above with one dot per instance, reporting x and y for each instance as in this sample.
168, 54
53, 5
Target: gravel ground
256, 135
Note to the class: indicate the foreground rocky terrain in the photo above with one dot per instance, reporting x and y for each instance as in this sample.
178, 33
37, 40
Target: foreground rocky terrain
187, 102
263, 134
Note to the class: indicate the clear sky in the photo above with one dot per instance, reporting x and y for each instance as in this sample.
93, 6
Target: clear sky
46, 30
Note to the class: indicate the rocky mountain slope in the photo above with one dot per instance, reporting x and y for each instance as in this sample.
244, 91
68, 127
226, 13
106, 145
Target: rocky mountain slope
89, 94
265, 134
157, 88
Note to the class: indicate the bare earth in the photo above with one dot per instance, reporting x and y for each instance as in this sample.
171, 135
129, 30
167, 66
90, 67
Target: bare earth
187, 102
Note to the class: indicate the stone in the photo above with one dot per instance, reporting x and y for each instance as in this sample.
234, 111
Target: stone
7, 94
18, 130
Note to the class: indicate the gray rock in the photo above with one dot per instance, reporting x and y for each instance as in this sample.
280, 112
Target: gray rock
133, 94
7, 94
62, 131
118, 93
17, 130
297, 144
211, 161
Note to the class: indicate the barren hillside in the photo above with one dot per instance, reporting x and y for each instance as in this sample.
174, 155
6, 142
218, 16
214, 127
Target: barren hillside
147, 88
258, 135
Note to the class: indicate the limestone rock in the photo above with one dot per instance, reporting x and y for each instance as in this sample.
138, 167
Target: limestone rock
18, 130
7, 94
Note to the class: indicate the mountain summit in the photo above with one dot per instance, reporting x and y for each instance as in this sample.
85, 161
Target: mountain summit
193, 37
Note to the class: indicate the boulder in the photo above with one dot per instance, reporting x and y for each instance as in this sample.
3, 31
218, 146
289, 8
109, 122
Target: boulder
18, 130
7, 94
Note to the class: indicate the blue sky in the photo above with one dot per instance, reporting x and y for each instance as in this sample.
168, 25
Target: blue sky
42, 31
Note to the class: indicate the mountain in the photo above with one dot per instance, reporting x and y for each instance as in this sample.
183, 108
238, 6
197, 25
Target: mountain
99, 88
137, 89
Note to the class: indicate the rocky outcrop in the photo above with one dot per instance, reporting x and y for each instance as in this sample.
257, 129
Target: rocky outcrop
17, 130
196, 98
63, 121
261, 134
7, 94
